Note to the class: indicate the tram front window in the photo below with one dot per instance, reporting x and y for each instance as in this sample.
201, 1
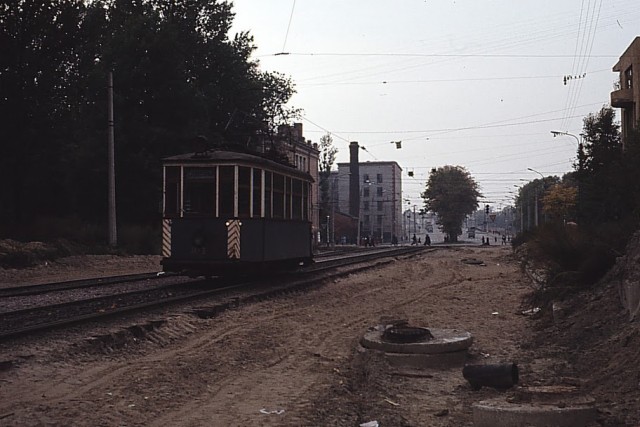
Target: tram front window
199, 191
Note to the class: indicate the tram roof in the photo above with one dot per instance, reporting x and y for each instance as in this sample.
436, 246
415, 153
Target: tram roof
233, 157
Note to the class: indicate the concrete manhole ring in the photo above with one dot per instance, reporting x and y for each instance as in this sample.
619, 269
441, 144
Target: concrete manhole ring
444, 341
406, 334
498, 413
472, 261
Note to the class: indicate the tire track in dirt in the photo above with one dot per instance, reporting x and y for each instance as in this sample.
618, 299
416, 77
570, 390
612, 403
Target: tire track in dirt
100, 381
293, 353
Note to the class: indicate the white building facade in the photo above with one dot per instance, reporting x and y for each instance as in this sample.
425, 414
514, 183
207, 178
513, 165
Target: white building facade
380, 214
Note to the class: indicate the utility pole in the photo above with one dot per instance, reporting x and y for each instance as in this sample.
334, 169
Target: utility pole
536, 202
404, 224
333, 214
542, 176
328, 238
113, 236
414, 219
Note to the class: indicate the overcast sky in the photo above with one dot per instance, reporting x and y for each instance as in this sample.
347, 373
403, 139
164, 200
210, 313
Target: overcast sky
474, 83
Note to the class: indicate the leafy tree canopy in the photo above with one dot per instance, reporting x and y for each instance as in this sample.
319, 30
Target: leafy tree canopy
177, 74
327, 153
601, 144
327, 159
452, 193
600, 170
559, 202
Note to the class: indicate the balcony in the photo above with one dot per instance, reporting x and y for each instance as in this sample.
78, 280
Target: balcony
622, 98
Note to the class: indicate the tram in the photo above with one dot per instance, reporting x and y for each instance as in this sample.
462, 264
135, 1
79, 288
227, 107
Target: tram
229, 213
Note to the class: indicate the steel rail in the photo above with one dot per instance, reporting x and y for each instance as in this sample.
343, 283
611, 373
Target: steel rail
16, 323
43, 288
19, 291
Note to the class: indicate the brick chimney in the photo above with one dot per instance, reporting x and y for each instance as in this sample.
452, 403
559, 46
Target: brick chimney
354, 180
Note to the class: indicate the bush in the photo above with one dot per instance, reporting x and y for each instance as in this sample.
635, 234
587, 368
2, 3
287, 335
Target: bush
71, 229
140, 239
74, 236
15, 254
574, 258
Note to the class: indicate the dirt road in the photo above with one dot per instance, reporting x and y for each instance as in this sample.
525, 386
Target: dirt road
292, 361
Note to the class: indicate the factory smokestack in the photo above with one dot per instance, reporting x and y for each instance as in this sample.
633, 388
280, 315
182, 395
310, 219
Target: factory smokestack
354, 180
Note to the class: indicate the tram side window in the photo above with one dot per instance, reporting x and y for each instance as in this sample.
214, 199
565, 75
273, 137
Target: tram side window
287, 198
244, 192
297, 199
257, 193
199, 191
268, 200
278, 196
305, 201
225, 190
172, 191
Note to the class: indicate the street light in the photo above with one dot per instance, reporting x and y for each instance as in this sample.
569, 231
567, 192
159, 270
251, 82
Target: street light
536, 193
557, 132
533, 170
521, 208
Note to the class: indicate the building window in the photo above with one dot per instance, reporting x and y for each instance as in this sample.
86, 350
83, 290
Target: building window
365, 206
365, 178
380, 205
379, 178
628, 78
379, 191
379, 219
365, 192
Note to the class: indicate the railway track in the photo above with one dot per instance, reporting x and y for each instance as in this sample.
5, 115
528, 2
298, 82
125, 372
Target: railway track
44, 288
26, 290
30, 320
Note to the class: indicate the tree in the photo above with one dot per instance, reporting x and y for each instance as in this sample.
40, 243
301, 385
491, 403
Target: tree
327, 158
38, 69
599, 170
452, 193
177, 74
532, 195
559, 202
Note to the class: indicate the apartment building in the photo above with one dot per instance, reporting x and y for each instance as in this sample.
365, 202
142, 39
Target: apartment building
304, 155
626, 95
380, 197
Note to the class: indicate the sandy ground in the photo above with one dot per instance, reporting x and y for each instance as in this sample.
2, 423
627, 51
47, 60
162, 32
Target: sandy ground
290, 361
